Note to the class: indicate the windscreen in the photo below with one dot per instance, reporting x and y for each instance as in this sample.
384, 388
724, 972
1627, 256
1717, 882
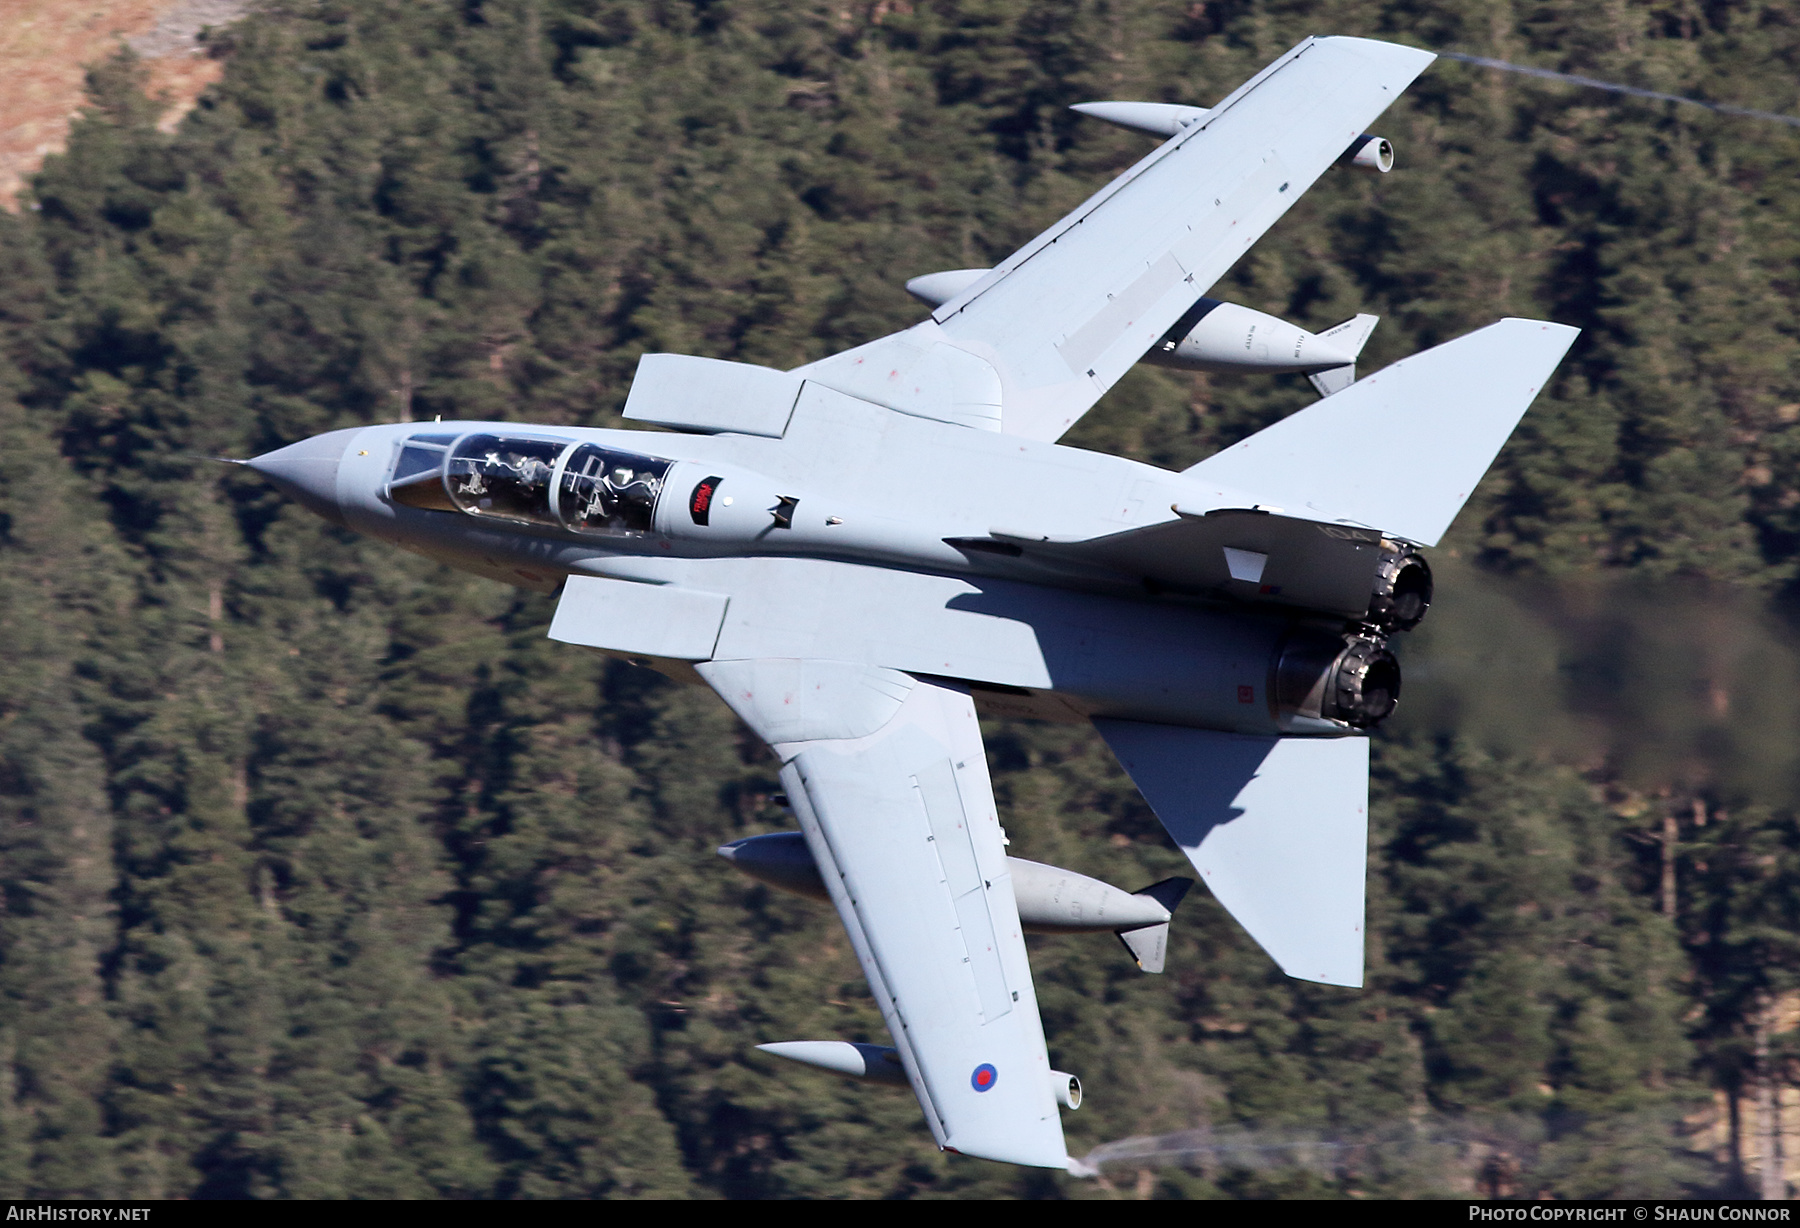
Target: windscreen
418, 477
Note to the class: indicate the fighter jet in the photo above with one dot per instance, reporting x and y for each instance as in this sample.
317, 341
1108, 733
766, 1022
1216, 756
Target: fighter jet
864, 554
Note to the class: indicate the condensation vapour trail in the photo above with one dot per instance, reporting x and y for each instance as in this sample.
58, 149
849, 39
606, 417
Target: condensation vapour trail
1250, 1148
1793, 121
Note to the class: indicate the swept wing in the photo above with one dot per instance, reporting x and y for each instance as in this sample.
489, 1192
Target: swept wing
889, 779
1029, 348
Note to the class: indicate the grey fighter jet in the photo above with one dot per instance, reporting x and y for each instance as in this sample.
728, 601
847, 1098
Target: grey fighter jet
863, 554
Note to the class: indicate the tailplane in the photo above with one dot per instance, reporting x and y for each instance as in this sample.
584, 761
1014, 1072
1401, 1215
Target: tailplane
1400, 450
1277, 827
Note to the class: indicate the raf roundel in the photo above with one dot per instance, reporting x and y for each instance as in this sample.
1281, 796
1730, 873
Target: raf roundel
984, 1078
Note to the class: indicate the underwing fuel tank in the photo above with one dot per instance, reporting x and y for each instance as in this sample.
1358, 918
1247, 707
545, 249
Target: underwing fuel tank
881, 1064
1164, 119
1051, 900
1224, 337
1220, 337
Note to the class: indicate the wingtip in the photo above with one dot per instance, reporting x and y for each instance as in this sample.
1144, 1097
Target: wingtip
1420, 55
1547, 325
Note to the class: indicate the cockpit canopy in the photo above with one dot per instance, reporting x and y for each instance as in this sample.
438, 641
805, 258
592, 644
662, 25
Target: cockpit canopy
526, 479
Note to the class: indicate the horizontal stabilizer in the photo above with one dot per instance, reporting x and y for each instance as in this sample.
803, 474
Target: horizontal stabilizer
1400, 450
1277, 827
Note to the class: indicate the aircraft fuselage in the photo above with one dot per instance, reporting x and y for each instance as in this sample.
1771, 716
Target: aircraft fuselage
766, 519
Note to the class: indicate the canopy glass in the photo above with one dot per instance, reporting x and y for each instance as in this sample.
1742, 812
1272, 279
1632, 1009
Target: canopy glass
552, 483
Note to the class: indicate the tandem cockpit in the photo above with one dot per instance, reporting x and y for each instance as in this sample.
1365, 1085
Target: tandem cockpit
550, 483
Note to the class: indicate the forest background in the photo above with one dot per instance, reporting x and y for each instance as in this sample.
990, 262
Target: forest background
323, 873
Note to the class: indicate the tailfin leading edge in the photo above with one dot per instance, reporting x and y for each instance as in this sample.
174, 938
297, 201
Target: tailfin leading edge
1400, 450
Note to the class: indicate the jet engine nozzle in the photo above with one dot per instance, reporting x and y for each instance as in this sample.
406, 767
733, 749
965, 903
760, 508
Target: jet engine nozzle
1067, 1088
1326, 682
1402, 591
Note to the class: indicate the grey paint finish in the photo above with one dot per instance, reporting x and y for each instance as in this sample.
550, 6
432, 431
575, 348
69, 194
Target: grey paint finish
1061, 320
1439, 417
874, 1063
1139, 658
803, 699
307, 472
1277, 827
639, 619
1050, 899
856, 553
1161, 119
938, 935
936, 289
705, 394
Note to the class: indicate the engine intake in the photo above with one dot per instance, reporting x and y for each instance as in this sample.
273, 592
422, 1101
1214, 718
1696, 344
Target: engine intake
1371, 153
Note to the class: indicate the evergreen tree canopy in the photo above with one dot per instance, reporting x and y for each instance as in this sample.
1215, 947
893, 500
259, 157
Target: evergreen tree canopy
325, 874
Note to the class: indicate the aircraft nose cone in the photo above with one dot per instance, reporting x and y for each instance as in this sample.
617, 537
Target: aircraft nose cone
307, 471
